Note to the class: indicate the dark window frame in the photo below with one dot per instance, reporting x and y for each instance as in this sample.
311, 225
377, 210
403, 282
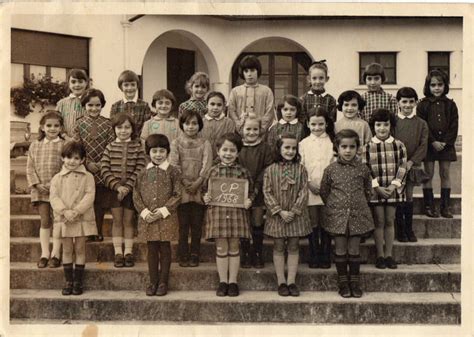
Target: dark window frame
446, 53
377, 59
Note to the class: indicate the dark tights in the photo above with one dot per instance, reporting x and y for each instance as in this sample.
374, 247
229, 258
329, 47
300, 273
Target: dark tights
159, 253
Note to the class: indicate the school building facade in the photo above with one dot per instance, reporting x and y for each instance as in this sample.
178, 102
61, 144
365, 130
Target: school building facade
166, 49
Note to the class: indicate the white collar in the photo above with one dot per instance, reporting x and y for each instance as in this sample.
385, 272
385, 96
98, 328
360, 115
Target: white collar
160, 118
164, 165
47, 141
71, 95
310, 92
117, 140
378, 141
322, 136
253, 144
410, 116
251, 85
292, 122
134, 100
79, 169
218, 118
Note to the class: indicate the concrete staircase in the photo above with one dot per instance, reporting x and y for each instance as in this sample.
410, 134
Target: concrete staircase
425, 289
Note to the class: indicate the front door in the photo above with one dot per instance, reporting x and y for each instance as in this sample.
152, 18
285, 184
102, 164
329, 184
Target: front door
180, 67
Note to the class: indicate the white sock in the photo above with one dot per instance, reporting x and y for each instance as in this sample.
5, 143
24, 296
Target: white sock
222, 268
279, 262
128, 246
45, 233
234, 265
117, 241
292, 267
56, 248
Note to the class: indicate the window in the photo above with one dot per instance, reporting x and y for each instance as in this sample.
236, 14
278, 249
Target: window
387, 59
284, 72
439, 60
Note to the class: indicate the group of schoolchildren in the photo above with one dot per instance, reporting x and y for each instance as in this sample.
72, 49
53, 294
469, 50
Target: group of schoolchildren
309, 175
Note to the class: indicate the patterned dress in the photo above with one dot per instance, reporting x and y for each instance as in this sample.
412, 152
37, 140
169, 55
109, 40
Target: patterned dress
198, 105
215, 128
166, 126
313, 99
228, 222
345, 189
138, 109
156, 187
44, 161
376, 100
294, 127
71, 110
285, 187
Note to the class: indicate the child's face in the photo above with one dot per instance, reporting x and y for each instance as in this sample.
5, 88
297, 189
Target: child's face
373, 82
318, 79
93, 107
382, 129
158, 155
250, 76
51, 128
73, 161
215, 106
198, 91
251, 131
191, 126
350, 108
77, 86
347, 149
228, 152
129, 89
317, 125
288, 112
163, 106
436, 87
407, 104
124, 130
288, 148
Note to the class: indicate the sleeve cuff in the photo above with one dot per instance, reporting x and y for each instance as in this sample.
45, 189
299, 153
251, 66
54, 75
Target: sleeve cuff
297, 211
145, 213
397, 183
375, 183
276, 210
164, 211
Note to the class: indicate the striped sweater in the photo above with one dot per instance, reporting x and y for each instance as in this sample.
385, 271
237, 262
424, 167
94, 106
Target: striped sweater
121, 163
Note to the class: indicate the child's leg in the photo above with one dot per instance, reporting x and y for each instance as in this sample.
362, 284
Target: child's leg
196, 231
379, 217
99, 218
128, 230
428, 198
234, 259
165, 264
184, 217
389, 232
429, 169
153, 261
257, 235
68, 249
408, 212
313, 238
444, 175
340, 260
222, 259
279, 259
444, 167
80, 252
354, 265
67, 265
293, 256
45, 229
117, 229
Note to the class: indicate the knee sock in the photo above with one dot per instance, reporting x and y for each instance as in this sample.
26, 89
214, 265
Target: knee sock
292, 267
45, 233
68, 272
56, 248
79, 273
279, 262
128, 246
234, 264
222, 263
117, 241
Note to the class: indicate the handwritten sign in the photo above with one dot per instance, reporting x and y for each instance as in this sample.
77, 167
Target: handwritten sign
228, 192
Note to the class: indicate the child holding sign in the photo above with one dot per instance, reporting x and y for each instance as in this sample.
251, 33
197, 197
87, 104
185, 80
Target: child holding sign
285, 191
228, 224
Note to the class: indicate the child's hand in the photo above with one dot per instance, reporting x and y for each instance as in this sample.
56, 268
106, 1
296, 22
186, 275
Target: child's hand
247, 203
287, 216
157, 214
42, 188
93, 167
150, 218
206, 198
381, 191
409, 165
122, 192
313, 187
186, 182
193, 187
438, 146
70, 215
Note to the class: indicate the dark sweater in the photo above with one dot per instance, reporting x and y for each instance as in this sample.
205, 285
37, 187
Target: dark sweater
413, 132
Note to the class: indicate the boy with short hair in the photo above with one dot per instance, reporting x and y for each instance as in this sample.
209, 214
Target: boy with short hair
139, 110
376, 97
251, 97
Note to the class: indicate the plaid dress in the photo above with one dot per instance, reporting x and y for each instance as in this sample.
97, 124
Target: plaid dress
376, 100
228, 222
294, 127
313, 99
387, 162
139, 111
94, 134
285, 187
198, 105
70, 109
44, 161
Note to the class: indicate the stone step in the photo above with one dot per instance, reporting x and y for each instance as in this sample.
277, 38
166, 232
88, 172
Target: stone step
424, 227
20, 204
425, 251
103, 276
249, 307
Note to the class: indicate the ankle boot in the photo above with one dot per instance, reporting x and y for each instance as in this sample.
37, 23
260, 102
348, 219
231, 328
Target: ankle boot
400, 223
342, 279
408, 212
445, 208
428, 201
312, 252
354, 276
78, 278
258, 248
245, 253
69, 276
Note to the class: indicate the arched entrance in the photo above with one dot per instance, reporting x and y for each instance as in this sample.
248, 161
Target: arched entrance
284, 65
